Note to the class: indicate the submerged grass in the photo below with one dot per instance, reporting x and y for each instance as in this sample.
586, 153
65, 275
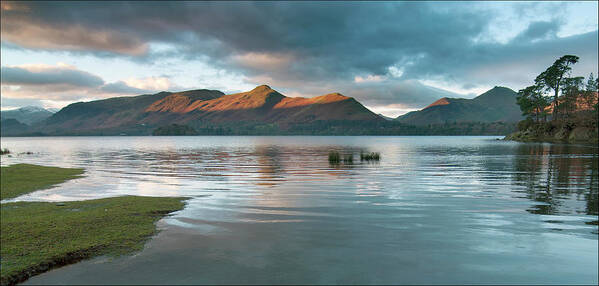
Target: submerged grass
335, 158
348, 159
37, 236
4, 151
19, 179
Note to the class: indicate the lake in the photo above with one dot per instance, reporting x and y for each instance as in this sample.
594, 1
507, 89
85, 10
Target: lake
264, 210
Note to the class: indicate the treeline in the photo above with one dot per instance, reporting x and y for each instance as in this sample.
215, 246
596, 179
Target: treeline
558, 96
558, 106
340, 127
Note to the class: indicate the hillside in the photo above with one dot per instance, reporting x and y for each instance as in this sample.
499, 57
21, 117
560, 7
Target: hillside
200, 109
113, 115
497, 104
10, 127
27, 115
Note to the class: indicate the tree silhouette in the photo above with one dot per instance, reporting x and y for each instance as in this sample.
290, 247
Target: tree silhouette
553, 77
532, 101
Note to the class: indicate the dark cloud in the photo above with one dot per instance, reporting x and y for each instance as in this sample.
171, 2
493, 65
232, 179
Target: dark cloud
539, 30
33, 75
330, 38
306, 46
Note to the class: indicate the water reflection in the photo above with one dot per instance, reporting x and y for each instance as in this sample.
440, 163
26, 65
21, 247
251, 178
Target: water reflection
558, 177
433, 210
270, 167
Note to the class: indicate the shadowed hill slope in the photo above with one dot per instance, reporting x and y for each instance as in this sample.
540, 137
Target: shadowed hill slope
497, 104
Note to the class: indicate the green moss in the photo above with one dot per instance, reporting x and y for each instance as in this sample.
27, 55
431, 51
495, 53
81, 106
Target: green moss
37, 236
24, 178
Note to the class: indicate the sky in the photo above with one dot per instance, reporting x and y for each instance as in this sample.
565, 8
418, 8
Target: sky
393, 57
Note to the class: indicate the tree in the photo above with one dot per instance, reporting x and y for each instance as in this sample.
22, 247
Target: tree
572, 89
532, 101
553, 77
591, 97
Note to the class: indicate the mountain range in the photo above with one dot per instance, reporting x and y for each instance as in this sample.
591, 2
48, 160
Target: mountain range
262, 110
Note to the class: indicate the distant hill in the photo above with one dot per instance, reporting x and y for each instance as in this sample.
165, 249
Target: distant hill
200, 109
114, 115
28, 115
496, 105
11, 126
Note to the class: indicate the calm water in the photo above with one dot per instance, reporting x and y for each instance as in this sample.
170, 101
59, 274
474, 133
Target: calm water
272, 209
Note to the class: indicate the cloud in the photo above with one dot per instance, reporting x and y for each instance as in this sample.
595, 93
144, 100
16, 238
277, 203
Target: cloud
120, 87
369, 78
31, 25
13, 103
60, 74
539, 30
149, 83
305, 47
61, 84
263, 61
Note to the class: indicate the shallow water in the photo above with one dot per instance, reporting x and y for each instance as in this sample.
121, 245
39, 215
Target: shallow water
273, 210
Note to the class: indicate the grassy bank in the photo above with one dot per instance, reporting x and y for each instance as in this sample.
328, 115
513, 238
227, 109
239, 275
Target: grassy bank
38, 236
24, 178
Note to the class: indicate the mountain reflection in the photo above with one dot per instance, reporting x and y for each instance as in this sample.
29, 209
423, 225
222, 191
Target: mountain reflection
558, 177
270, 168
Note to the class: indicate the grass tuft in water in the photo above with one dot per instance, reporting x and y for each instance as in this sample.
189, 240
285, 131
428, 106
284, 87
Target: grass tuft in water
374, 156
348, 159
4, 151
334, 157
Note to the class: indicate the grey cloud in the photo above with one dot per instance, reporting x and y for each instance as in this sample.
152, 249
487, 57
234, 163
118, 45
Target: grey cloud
328, 36
49, 76
8, 102
331, 42
539, 30
121, 87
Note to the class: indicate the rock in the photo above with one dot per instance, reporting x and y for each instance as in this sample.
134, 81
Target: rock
582, 134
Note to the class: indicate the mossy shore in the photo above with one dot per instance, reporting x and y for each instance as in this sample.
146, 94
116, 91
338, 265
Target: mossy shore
38, 236
20, 179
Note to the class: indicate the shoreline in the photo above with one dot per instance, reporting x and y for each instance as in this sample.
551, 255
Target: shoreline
39, 236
